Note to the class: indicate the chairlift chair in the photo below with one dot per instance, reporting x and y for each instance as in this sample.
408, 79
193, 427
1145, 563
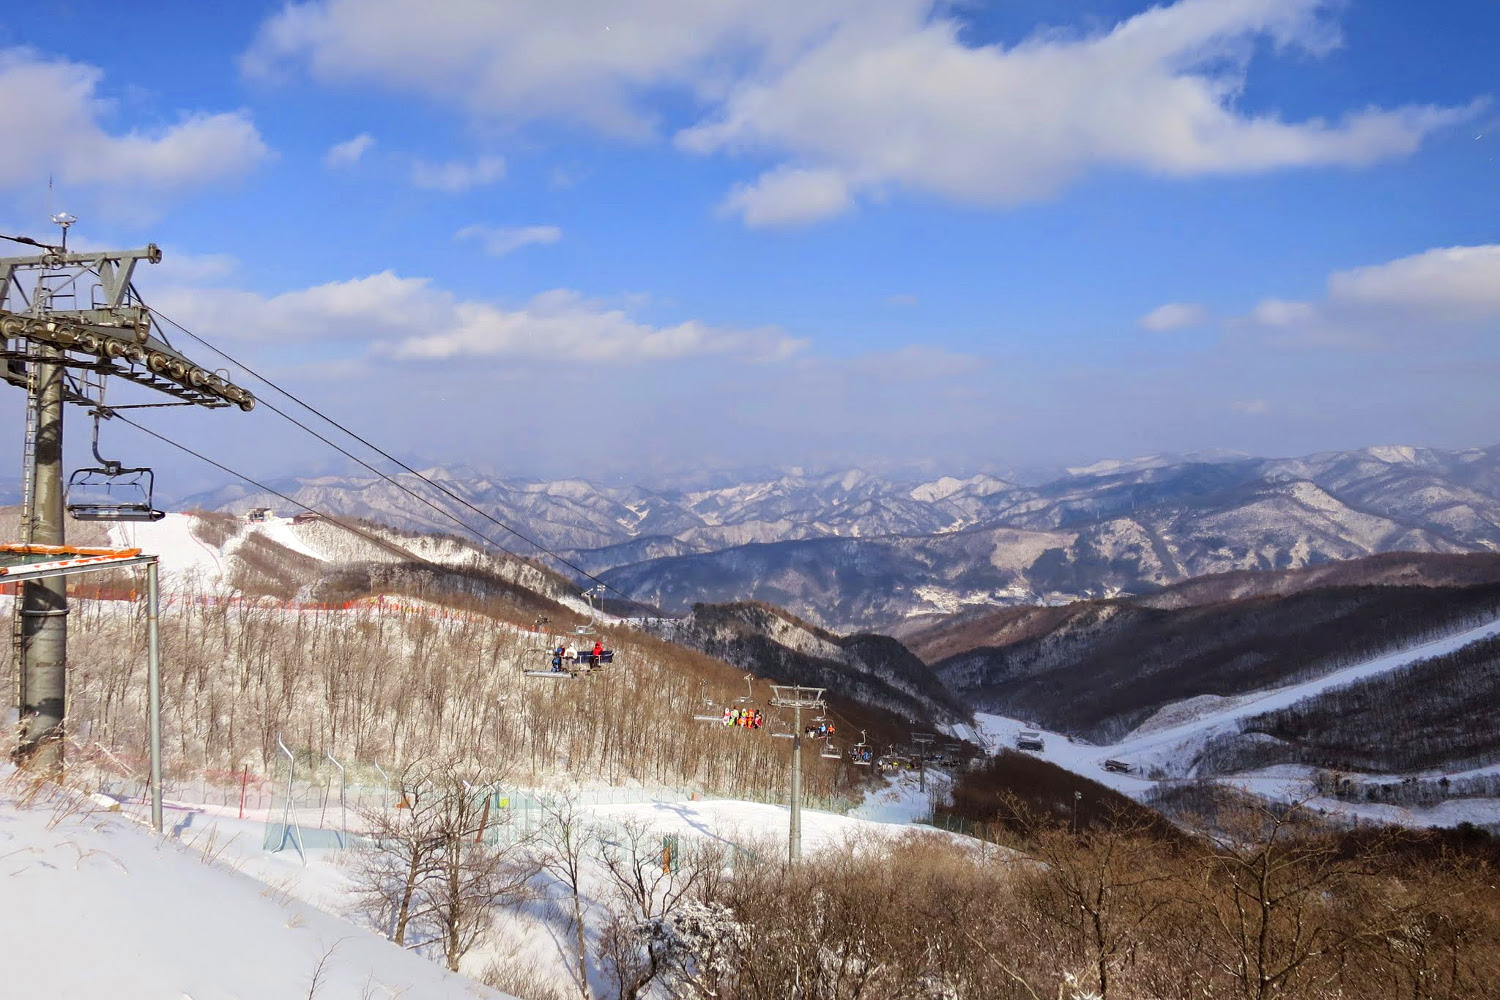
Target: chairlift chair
587, 628
539, 632
861, 753
566, 672
831, 751
111, 492
558, 666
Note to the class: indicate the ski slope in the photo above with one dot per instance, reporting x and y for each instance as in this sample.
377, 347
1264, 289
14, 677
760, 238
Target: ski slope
1167, 746
189, 561
97, 906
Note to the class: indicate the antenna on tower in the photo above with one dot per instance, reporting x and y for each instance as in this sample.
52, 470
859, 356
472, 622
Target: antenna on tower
64, 220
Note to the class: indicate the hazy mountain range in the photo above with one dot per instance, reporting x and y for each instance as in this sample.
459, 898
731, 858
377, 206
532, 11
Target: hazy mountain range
853, 550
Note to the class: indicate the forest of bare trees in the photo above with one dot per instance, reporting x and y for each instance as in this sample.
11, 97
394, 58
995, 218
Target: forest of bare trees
1099, 669
1421, 716
1263, 907
384, 684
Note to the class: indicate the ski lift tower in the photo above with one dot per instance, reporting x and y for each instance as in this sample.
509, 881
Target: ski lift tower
796, 698
923, 742
68, 321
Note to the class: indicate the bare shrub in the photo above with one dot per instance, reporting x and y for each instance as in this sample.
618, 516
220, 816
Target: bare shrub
520, 978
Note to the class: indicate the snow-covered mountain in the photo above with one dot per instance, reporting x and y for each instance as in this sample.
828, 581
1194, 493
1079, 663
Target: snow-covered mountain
1101, 535
577, 515
851, 549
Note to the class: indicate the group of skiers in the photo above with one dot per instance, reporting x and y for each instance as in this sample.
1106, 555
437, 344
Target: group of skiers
821, 731
750, 718
564, 655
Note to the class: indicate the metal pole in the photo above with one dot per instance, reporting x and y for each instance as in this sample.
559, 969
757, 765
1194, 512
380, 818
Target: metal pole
794, 841
385, 788
343, 795
153, 692
44, 603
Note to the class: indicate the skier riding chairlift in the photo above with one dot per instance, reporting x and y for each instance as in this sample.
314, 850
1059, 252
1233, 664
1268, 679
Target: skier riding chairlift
860, 753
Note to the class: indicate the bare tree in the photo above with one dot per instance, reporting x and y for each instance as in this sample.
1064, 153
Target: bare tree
1272, 899
478, 869
1106, 883
392, 874
563, 844
649, 877
643, 874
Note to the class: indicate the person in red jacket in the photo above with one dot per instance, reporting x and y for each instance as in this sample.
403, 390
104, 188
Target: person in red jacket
598, 652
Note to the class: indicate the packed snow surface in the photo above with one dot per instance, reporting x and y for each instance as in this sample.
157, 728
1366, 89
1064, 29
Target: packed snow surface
98, 906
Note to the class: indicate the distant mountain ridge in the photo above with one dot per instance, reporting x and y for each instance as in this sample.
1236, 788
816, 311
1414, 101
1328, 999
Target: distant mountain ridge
855, 551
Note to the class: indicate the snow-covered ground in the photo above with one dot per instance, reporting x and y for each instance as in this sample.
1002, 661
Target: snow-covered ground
187, 560
184, 557
901, 798
98, 906
158, 920
1168, 744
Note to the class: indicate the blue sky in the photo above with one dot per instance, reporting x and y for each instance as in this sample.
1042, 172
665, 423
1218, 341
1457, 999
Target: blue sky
600, 238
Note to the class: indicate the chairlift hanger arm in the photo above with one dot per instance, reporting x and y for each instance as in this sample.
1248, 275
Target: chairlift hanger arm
111, 467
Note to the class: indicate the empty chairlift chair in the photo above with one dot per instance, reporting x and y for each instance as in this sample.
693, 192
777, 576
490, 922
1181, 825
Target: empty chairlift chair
110, 491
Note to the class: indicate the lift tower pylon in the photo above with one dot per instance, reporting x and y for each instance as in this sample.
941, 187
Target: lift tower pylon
796, 698
68, 320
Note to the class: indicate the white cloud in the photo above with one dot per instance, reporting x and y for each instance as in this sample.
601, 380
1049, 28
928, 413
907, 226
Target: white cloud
563, 325
530, 59
54, 123
789, 196
1281, 313
1250, 407
349, 152
564, 178
501, 240
859, 96
456, 176
1454, 283
1447, 290
1173, 316
379, 313
909, 102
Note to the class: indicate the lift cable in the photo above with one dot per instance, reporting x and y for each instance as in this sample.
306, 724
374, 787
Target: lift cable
31, 242
390, 479
368, 536
391, 458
